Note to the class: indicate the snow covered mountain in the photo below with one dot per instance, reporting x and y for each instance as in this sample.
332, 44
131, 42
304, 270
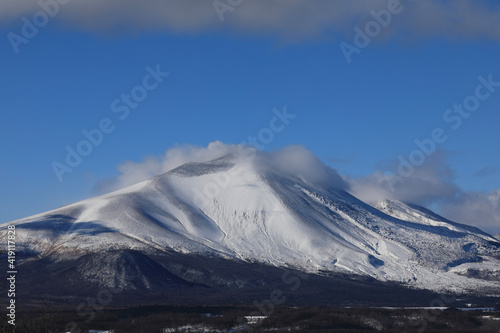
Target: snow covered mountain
234, 209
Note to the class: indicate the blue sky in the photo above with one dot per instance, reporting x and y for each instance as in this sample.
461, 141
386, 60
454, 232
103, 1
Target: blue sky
226, 77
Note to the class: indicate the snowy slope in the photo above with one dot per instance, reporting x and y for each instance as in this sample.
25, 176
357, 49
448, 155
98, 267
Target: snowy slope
233, 209
419, 214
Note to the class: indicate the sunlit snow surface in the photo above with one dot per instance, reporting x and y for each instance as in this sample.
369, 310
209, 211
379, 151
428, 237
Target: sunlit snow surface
231, 208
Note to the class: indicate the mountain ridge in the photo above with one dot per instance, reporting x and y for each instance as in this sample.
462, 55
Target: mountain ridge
259, 214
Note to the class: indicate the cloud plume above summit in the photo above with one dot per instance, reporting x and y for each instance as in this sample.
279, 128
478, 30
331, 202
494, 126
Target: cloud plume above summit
294, 161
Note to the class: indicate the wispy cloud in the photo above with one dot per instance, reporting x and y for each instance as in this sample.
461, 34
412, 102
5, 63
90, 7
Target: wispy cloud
474, 208
293, 160
488, 171
429, 183
293, 19
134, 172
432, 184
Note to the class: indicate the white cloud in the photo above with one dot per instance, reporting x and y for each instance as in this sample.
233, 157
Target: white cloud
478, 209
292, 160
293, 19
133, 172
299, 162
432, 185
429, 183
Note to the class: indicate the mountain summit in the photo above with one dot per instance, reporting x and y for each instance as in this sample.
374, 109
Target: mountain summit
240, 210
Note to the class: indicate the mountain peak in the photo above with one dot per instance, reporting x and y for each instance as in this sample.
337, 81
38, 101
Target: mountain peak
285, 209
194, 169
292, 161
